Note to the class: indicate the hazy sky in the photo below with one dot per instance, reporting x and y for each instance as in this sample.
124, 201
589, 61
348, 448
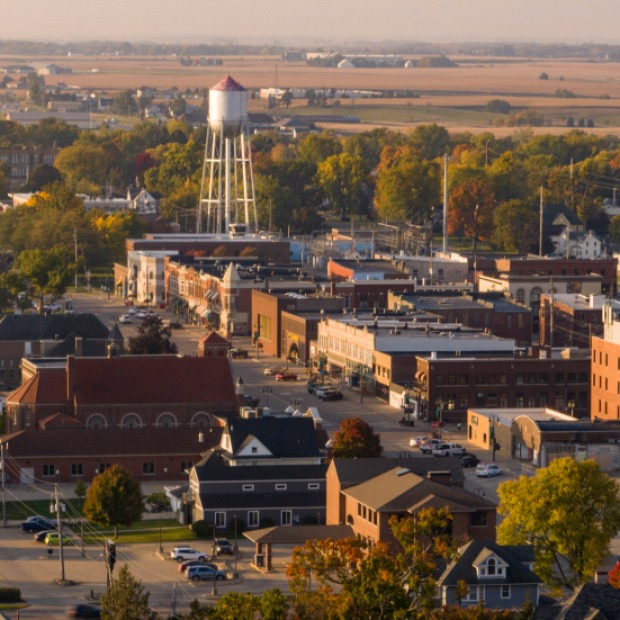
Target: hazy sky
595, 21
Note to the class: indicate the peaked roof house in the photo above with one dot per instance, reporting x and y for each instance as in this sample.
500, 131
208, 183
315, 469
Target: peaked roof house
499, 576
267, 470
372, 496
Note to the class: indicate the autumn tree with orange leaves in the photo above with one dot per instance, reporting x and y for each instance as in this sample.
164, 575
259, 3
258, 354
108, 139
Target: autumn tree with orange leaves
356, 439
471, 205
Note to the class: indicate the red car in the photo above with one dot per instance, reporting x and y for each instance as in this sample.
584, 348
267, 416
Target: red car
286, 376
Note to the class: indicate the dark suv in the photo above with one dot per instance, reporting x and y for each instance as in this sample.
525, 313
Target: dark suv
38, 524
223, 546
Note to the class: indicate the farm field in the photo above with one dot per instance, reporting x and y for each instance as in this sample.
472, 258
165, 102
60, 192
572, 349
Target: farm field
455, 96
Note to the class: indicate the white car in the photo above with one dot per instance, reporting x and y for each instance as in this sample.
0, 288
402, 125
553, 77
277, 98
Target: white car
486, 470
416, 442
124, 318
449, 449
428, 446
180, 554
132, 310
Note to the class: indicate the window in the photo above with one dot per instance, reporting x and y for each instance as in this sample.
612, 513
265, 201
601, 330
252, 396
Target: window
505, 591
519, 379
185, 465
253, 518
520, 296
280, 487
248, 487
148, 469
77, 469
474, 594
49, 470
286, 517
313, 486
491, 566
220, 519
103, 467
559, 377
479, 518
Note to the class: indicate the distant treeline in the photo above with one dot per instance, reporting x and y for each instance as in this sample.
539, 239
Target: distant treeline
527, 50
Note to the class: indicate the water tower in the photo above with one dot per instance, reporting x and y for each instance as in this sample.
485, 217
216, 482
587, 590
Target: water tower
227, 188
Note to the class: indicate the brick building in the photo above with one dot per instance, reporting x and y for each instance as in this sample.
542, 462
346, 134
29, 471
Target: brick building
606, 368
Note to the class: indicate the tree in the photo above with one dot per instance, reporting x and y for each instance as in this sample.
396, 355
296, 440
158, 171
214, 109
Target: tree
152, 339
48, 273
340, 178
356, 439
125, 103
80, 488
114, 498
569, 512
126, 599
471, 209
613, 578
516, 227
40, 177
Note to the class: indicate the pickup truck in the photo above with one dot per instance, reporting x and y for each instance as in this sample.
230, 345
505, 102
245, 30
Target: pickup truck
428, 446
449, 449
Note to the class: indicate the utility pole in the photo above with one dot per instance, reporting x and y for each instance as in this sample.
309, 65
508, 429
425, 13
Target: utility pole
75, 252
58, 510
2, 479
445, 203
540, 242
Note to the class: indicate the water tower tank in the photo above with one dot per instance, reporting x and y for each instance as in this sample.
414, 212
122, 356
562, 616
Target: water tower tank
228, 107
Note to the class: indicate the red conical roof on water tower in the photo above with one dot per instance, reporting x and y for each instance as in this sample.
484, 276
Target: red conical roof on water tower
228, 84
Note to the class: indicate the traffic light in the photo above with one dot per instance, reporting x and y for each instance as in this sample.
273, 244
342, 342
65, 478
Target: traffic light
109, 549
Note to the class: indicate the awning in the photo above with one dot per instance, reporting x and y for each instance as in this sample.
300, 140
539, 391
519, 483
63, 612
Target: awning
200, 310
205, 314
213, 294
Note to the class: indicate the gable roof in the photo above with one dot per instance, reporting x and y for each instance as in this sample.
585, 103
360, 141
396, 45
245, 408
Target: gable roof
213, 338
51, 327
590, 601
284, 437
400, 490
354, 471
515, 556
144, 379
89, 347
45, 387
60, 420
75, 441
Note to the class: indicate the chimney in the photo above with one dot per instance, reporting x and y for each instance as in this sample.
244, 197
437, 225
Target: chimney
79, 346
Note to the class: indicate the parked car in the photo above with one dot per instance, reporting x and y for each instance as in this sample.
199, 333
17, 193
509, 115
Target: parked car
469, 460
52, 308
286, 376
238, 353
204, 573
320, 390
250, 401
269, 372
83, 610
223, 546
38, 524
41, 536
124, 318
430, 445
416, 442
311, 385
486, 470
332, 395
183, 566
52, 539
449, 449
188, 553
132, 310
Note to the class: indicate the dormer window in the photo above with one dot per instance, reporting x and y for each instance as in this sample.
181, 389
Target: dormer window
492, 567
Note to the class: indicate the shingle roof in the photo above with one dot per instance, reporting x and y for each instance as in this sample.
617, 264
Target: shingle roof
90, 347
237, 501
215, 467
48, 387
284, 437
400, 490
515, 556
109, 443
354, 471
299, 534
144, 379
36, 327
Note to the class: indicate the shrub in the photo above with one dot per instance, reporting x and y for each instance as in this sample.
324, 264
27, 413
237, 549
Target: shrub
202, 528
10, 595
499, 106
543, 76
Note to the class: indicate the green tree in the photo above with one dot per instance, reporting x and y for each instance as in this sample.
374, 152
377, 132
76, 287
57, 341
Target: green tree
47, 272
80, 488
471, 209
569, 512
83, 162
152, 338
125, 103
273, 605
355, 438
40, 177
114, 498
430, 141
235, 606
126, 599
515, 227
316, 148
340, 178
407, 186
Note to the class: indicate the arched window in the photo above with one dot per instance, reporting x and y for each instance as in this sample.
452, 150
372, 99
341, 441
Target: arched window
96, 421
131, 420
520, 296
491, 565
535, 296
202, 420
166, 420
